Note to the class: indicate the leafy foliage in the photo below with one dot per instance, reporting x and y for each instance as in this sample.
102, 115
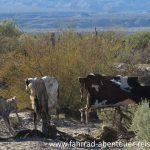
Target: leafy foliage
9, 34
9, 29
141, 121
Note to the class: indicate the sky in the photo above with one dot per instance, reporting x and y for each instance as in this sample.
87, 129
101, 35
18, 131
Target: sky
101, 6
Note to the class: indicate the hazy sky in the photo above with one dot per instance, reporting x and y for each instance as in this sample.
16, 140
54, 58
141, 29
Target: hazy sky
107, 6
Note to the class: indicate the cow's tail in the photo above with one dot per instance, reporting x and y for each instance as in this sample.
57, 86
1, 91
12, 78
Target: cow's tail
58, 96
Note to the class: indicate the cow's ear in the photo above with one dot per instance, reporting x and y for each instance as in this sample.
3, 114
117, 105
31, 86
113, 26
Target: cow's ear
26, 80
81, 80
14, 97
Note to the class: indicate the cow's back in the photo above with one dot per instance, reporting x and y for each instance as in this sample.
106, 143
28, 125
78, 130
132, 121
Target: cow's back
52, 90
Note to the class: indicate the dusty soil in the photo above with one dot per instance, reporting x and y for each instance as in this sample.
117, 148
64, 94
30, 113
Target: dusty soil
69, 126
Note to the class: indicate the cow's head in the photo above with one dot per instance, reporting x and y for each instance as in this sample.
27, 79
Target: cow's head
28, 81
83, 89
13, 103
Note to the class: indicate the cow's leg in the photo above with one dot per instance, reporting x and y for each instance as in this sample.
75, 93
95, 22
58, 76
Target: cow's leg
88, 103
87, 116
35, 120
114, 118
49, 115
7, 123
57, 113
19, 119
82, 113
82, 116
37, 111
49, 118
45, 122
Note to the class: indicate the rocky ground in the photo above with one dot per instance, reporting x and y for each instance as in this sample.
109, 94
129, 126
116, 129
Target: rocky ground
68, 125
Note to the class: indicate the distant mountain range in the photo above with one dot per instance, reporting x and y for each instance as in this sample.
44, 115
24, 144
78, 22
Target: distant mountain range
43, 15
81, 21
99, 6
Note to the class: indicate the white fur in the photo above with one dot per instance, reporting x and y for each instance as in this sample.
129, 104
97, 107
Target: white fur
96, 105
122, 83
116, 82
101, 103
52, 90
51, 85
32, 91
92, 74
96, 87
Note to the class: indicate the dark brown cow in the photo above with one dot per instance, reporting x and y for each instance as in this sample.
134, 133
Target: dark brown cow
101, 90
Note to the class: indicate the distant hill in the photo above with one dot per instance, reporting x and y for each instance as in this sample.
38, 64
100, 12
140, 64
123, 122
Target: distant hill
42, 15
81, 21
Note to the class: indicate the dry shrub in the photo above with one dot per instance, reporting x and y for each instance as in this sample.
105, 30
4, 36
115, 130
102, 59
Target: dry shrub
72, 56
141, 121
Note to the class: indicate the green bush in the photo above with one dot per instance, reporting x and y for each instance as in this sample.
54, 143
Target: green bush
8, 28
139, 40
117, 117
141, 121
9, 34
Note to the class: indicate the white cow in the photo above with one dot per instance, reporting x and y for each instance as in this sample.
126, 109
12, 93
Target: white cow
52, 90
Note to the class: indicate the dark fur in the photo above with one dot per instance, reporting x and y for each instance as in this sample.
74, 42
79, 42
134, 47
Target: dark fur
112, 92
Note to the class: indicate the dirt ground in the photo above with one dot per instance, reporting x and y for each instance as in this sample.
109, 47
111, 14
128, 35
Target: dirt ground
67, 125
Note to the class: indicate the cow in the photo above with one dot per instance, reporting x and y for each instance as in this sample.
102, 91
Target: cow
100, 90
132, 85
44, 94
6, 107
